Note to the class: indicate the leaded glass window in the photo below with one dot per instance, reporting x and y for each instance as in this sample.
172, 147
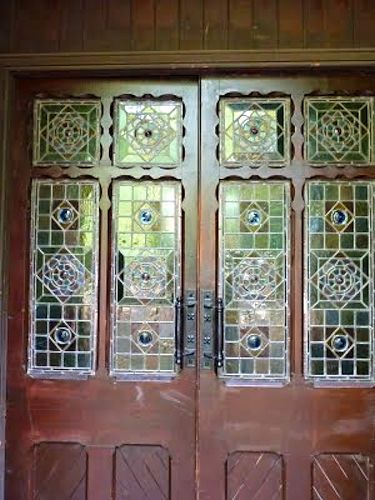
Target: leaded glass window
254, 131
63, 305
146, 276
339, 280
339, 130
66, 132
253, 278
148, 132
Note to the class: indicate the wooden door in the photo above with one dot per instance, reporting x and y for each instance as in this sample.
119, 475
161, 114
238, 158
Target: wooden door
185, 325
287, 199
99, 388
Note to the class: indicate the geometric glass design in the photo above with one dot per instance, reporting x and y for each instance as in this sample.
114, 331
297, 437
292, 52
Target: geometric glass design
64, 260
145, 277
339, 130
147, 133
253, 279
339, 307
254, 132
66, 132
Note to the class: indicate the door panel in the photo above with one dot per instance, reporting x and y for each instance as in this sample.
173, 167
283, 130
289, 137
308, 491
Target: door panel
245, 418
125, 421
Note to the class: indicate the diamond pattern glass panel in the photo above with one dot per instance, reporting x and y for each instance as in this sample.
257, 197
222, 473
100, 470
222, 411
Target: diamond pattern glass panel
66, 132
253, 280
339, 130
146, 276
254, 131
339, 280
148, 132
63, 284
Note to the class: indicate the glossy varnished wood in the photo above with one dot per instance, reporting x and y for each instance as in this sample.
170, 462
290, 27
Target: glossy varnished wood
296, 421
100, 413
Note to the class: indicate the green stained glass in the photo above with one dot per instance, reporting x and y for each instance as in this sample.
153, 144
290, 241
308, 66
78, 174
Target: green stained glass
339, 269
64, 261
148, 132
253, 279
146, 276
66, 132
339, 130
254, 131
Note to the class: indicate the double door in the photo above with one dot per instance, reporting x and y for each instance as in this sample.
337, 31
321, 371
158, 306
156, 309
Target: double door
190, 289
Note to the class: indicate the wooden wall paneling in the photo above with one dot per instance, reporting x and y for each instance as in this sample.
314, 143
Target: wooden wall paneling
363, 19
314, 24
339, 23
166, 25
36, 26
143, 25
215, 24
290, 24
265, 24
240, 23
107, 25
191, 24
5, 25
71, 29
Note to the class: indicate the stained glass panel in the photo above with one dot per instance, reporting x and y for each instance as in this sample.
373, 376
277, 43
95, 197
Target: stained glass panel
253, 278
254, 131
339, 280
63, 284
66, 132
148, 132
339, 130
146, 276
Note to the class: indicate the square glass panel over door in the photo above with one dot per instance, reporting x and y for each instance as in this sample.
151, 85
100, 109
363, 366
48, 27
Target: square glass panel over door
146, 276
253, 278
339, 280
339, 130
66, 132
148, 132
254, 131
63, 284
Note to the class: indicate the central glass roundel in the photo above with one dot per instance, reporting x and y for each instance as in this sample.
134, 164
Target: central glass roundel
339, 217
145, 217
145, 337
254, 218
63, 336
65, 215
254, 341
340, 343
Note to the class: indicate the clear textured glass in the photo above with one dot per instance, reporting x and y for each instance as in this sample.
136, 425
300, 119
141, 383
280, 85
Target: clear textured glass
66, 132
339, 130
63, 285
253, 278
148, 132
254, 131
339, 280
145, 276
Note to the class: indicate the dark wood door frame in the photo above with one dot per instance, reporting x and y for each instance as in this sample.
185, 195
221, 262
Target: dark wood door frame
136, 63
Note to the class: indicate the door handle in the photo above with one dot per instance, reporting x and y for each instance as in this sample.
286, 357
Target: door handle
212, 331
219, 344
185, 330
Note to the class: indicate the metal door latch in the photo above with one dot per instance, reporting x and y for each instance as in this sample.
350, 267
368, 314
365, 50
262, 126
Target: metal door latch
185, 332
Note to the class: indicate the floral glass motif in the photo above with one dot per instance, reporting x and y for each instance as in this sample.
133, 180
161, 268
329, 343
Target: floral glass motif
146, 277
339, 280
148, 132
66, 132
339, 130
63, 300
253, 279
254, 131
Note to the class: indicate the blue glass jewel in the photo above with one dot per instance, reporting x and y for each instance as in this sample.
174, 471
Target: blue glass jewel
65, 215
63, 336
339, 217
145, 338
145, 216
254, 218
254, 341
340, 343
